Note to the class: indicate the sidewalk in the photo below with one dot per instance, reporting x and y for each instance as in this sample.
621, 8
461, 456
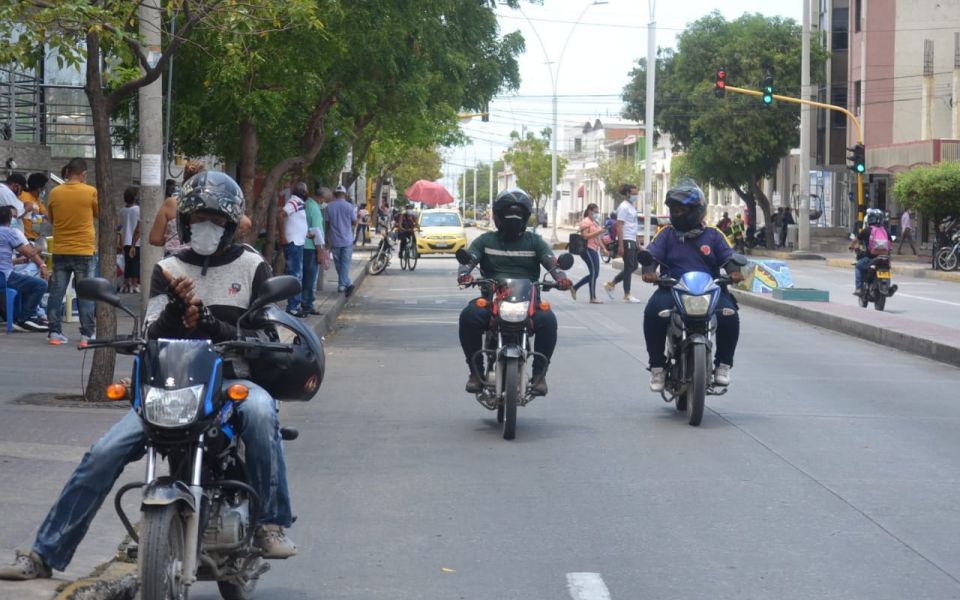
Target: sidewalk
46, 429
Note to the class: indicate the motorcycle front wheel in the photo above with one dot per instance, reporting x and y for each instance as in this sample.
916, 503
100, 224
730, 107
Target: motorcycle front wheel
412, 257
697, 392
378, 263
161, 553
511, 396
947, 259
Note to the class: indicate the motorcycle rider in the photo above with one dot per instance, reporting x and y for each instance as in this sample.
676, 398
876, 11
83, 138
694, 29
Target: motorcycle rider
683, 246
861, 244
199, 292
510, 252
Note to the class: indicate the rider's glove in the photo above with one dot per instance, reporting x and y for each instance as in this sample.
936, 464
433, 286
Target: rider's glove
564, 284
465, 279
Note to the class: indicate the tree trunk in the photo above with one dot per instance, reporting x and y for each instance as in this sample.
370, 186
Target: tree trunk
247, 173
764, 203
104, 359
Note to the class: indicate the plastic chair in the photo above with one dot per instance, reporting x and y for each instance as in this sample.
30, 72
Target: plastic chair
11, 296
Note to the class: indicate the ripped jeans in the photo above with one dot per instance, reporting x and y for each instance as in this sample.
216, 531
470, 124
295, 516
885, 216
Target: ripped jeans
125, 442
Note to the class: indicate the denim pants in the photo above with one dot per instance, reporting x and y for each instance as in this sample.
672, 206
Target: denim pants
310, 271
63, 266
861, 270
342, 255
29, 289
592, 258
655, 328
125, 442
474, 321
293, 254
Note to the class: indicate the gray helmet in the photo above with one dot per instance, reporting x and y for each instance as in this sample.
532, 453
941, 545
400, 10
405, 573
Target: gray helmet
213, 192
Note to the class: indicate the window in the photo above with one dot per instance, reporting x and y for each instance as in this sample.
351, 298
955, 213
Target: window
857, 15
578, 144
856, 97
840, 29
440, 219
838, 97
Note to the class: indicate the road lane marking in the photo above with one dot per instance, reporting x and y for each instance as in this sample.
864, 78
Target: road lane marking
587, 586
37, 451
929, 299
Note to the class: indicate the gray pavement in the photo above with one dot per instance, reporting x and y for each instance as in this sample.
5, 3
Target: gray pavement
42, 441
826, 472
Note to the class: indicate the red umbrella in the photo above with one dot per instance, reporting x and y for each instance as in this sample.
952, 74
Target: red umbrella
428, 193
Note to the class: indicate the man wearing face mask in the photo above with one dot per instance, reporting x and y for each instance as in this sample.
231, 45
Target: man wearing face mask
626, 241
510, 252
198, 293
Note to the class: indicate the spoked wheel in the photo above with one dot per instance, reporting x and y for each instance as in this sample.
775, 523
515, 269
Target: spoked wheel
511, 395
697, 392
880, 302
161, 554
404, 259
413, 257
947, 259
378, 263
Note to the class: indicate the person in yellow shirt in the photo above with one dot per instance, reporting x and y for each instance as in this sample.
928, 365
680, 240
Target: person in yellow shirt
73, 208
30, 196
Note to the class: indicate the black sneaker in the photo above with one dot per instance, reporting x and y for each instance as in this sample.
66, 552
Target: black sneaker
20, 326
538, 385
297, 313
34, 324
347, 292
473, 384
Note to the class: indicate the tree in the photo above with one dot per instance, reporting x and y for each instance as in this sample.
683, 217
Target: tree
94, 35
933, 191
734, 142
529, 158
617, 171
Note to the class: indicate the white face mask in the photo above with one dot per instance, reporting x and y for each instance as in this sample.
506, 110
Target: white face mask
634, 198
205, 237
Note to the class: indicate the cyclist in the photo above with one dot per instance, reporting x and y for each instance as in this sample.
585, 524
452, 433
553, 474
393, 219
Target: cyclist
407, 224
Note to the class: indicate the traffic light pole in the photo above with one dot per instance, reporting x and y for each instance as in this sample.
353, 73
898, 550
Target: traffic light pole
832, 107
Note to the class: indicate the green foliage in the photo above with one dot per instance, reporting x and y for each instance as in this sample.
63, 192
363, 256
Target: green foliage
530, 160
933, 191
616, 172
679, 168
418, 163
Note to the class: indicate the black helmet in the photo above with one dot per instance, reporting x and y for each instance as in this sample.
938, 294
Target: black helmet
515, 203
689, 195
212, 192
293, 375
874, 216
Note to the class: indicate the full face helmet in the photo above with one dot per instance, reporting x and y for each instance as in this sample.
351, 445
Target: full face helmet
511, 212
295, 375
874, 216
687, 206
210, 192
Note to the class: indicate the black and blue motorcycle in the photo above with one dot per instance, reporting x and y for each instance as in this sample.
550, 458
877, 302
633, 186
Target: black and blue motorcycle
197, 522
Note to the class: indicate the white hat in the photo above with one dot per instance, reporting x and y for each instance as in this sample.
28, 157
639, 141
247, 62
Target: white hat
341, 189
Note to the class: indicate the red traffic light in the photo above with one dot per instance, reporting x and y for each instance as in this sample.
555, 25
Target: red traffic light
720, 87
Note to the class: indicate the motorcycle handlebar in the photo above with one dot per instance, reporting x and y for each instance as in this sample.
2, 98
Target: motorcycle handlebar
543, 285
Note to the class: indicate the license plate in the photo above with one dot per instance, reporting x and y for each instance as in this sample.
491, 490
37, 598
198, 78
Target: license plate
442, 244
883, 275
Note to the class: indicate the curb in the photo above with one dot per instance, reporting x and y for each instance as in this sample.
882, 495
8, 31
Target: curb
898, 340
329, 318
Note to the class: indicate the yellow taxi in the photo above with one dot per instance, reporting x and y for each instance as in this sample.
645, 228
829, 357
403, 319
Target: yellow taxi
441, 232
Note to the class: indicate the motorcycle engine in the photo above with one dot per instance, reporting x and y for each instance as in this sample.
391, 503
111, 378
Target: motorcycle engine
227, 525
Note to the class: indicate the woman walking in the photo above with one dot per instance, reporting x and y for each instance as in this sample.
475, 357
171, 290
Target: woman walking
591, 232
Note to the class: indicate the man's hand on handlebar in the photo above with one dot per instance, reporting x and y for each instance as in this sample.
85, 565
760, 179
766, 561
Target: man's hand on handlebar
650, 277
736, 277
564, 284
465, 279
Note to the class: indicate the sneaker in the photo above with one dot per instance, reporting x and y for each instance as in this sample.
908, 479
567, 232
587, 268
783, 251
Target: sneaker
32, 325
608, 287
85, 340
538, 385
632, 300
297, 313
26, 565
658, 378
20, 326
473, 384
573, 293
274, 543
721, 375
349, 290
55, 338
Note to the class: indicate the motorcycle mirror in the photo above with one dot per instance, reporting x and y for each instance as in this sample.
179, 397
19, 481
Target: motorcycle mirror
463, 257
279, 287
565, 261
739, 260
644, 257
99, 289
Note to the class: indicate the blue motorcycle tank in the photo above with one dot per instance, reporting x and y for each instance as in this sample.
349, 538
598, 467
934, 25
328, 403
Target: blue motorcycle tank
697, 282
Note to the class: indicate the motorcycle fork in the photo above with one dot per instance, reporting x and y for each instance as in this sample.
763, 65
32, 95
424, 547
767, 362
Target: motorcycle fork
192, 520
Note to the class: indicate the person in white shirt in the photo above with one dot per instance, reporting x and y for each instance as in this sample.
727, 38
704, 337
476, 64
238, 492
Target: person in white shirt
10, 192
130, 231
626, 241
293, 234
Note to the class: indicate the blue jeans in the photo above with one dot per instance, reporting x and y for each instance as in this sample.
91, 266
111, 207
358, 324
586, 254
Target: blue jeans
294, 259
310, 271
63, 266
125, 442
592, 258
861, 270
342, 255
655, 328
29, 289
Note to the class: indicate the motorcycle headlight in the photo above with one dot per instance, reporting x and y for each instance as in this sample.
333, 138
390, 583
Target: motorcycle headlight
172, 408
514, 312
696, 306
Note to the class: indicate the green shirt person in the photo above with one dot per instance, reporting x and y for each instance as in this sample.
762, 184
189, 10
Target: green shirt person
312, 253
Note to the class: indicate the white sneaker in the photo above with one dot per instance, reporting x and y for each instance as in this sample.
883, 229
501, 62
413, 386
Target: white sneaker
632, 300
658, 377
721, 375
608, 288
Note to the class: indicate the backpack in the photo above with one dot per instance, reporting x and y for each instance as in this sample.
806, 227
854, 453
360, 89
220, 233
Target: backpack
879, 242
576, 244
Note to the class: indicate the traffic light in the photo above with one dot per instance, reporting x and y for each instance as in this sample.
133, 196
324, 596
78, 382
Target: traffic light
858, 159
720, 87
768, 90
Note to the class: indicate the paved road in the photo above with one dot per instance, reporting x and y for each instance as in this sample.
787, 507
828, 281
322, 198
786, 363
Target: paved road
813, 478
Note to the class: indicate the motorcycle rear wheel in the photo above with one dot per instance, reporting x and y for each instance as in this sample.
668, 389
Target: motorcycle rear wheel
698, 383
162, 533
947, 259
511, 395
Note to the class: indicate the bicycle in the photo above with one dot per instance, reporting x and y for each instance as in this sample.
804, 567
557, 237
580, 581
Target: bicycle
409, 254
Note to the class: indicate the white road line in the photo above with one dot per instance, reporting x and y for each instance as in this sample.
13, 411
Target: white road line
587, 586
929, 299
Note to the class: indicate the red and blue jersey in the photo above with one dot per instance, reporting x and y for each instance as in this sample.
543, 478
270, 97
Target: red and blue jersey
707, 252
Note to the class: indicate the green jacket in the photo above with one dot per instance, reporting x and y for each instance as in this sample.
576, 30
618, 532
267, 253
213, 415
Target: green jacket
518, 259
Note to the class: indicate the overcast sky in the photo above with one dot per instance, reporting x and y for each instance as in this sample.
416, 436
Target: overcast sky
601, 50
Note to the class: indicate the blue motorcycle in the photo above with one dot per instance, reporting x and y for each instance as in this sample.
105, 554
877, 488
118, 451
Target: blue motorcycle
691, 336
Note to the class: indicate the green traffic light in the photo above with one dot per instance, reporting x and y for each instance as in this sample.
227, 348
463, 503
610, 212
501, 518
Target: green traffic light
768, 95
861, 168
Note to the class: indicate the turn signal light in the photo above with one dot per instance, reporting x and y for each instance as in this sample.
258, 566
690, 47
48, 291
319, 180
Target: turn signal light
238, 392
544, 306
116, 391
482, 303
